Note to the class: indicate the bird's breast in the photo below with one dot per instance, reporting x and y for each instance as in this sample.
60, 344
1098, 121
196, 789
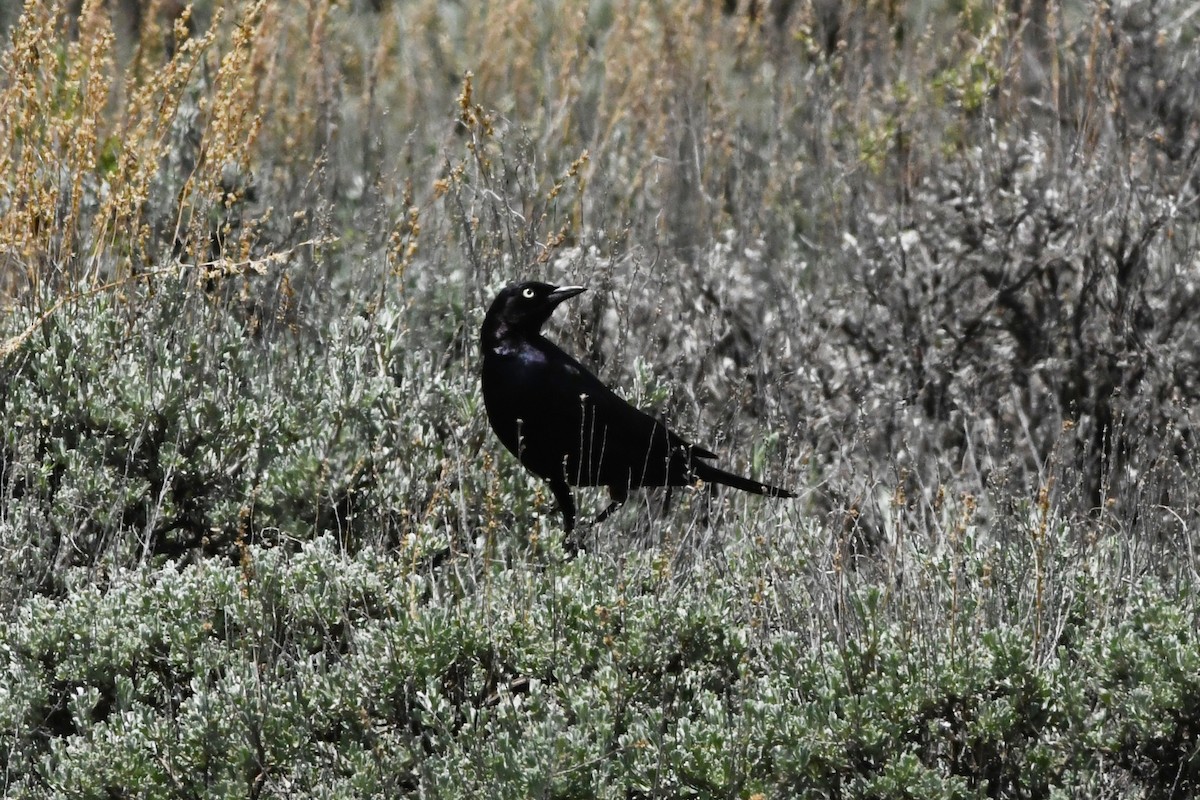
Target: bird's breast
532, 407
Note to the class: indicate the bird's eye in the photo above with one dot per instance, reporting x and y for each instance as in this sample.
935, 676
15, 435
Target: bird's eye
528, 294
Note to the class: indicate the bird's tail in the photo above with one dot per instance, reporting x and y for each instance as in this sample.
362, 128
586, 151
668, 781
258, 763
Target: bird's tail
707, 472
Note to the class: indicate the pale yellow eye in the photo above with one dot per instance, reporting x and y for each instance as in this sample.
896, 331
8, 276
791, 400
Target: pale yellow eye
528, 294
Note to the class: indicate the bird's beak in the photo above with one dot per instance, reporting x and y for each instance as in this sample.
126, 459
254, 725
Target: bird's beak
564, 293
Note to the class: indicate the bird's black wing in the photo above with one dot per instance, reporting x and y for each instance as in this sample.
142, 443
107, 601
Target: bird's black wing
607, 441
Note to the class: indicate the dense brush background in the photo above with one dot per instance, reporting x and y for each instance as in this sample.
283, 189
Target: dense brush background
933, 265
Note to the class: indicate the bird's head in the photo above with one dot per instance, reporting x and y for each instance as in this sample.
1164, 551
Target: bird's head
521, 309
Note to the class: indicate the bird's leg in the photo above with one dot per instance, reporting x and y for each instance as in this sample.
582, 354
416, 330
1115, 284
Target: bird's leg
566, 503
619, 495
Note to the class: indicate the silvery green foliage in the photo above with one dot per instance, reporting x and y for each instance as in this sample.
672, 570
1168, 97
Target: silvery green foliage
322, 672
130, 438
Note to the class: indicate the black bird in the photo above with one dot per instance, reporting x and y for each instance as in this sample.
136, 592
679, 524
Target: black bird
566, 426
